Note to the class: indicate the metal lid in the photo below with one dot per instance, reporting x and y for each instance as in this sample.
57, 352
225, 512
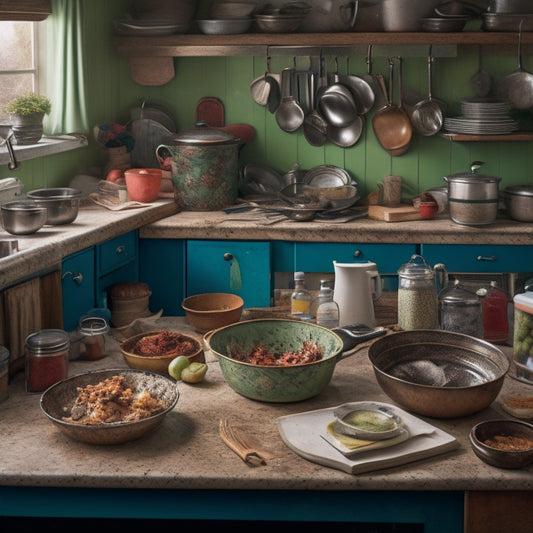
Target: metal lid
417, 267
520, 190
473, 176
458, 295
93, 325
205, 135
47, 341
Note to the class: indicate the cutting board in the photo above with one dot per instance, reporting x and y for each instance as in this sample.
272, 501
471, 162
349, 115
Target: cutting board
400, 213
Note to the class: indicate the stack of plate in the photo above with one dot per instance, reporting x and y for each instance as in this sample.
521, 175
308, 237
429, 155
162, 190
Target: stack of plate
482, 116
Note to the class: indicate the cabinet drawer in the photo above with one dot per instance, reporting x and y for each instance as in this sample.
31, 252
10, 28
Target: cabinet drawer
241, 268
117, 252
319, 257
480, 258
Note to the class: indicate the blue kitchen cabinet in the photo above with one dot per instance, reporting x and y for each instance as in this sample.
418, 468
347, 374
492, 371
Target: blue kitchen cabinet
241, 267
480, 258
162, 267
78, 275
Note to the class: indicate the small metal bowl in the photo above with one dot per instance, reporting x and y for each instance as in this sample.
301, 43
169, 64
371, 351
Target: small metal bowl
224, 26
279, 23
23, 217
62, 203
502, 458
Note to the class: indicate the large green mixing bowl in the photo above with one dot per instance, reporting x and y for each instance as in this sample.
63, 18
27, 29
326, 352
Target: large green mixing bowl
281, 384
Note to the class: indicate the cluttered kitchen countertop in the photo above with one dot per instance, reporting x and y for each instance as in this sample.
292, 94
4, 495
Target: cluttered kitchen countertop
186, 451
254, 225
94, 224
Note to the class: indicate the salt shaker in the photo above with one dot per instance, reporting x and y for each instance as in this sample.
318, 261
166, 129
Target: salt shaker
417, 295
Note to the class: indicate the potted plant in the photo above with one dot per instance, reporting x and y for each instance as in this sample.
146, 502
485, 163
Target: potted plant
27, 113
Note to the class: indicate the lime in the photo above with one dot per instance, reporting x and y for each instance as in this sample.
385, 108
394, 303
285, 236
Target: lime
194, 373
177, 365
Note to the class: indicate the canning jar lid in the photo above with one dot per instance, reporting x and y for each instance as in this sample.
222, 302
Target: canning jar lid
93, 325
458, 295
417, 267
47, 341
520, 190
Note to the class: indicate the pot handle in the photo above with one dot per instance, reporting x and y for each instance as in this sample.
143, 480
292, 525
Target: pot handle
374, 276
355, 8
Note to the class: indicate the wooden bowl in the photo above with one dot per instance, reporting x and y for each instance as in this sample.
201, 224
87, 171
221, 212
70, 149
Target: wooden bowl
157, 363
209, 311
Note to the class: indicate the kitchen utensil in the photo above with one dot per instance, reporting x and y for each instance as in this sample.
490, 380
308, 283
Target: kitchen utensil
286, 384
481, 81
143, 184
427, 117
460, 8
205, 168
374, 82
472, 197
329, 17
460, 310
213, 310
401, 213
361, 90
23, 217
391, 123
488, 440
327, 176
239, 444
148, 135
357, 286
8, 247
406, 15
159, 362
289, 114
210, 110
62, 203
266, 90
519, 7
507, 22
62, 396
517, 87
337, 106
438, 373
231, 26
443, 24
348, 135
315, 129
6, 134
519, 202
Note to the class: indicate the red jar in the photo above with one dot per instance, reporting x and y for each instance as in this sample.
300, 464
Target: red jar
46, 358
495, 322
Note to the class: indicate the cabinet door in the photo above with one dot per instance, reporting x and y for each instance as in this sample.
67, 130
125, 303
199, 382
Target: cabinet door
116, 252
319, 257
480, 258
78, 286
241, 268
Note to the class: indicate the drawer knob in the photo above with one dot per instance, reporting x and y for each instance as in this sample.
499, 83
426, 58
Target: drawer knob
228, 257
77, 277
120, 249
492, 258
357, 253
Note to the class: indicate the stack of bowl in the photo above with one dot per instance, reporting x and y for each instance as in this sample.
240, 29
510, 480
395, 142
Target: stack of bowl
227, 18
127, 302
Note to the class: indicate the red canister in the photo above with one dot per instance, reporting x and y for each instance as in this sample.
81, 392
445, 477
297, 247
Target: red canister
46, 358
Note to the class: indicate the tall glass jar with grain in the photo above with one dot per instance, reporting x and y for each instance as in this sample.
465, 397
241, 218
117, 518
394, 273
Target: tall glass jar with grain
417, 295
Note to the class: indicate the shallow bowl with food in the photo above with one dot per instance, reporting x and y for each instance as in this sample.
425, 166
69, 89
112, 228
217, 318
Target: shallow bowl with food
160, 348
275, 383
58, 400
212, 310
503, 443
438, 373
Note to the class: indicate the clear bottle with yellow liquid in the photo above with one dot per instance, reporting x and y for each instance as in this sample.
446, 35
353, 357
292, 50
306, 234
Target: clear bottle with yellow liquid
300, 298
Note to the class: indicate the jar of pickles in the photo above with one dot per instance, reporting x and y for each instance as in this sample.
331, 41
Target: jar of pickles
46, 358
417, 295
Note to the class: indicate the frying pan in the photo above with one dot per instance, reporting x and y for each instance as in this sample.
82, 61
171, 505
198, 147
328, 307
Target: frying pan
517, 87
361, 90
391, 123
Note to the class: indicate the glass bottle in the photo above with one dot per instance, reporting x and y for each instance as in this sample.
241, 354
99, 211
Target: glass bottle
417, 295
300, 298
494, 310
460, 311
327, 310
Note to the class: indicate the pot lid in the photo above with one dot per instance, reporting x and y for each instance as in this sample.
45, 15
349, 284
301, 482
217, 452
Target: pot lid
417, 267
47, 341
204, 134
520, 190
458, 295
473, 176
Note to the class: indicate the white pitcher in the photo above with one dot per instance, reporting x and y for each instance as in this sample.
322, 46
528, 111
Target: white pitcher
357, 285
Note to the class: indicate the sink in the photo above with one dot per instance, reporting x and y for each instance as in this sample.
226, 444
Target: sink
8, 247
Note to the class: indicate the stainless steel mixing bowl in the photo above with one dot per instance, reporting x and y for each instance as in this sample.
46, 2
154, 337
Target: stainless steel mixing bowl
62, 203
23, 217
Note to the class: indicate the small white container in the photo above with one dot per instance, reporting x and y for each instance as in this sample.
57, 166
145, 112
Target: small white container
523, 336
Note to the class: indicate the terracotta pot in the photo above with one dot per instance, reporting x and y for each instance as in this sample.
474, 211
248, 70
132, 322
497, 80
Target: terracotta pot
143, 184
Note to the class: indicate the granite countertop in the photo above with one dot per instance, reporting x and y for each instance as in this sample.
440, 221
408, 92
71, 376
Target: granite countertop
186, 451
255, 226
94, 224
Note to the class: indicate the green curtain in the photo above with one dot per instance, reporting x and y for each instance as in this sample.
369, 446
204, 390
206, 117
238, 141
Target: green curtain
64, 78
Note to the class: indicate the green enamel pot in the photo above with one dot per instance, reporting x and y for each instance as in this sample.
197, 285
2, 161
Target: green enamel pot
280, 384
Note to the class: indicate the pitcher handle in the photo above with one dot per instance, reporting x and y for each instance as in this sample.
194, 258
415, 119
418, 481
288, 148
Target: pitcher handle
376, 279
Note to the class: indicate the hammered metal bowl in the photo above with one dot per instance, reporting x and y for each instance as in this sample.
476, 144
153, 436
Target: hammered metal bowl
436, 373
63, 394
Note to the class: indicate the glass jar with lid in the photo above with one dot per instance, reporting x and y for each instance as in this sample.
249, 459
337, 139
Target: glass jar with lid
46, 358
417, 295
88, 341
460, 310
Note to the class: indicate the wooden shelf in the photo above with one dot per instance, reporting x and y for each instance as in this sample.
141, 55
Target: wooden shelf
181, 45
511, 137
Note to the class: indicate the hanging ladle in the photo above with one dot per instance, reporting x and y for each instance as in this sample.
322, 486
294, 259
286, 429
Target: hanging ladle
427, 115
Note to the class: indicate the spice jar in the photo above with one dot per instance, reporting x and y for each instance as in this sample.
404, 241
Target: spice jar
88, 341
417, 295
46, 358
460, 311
495, 320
